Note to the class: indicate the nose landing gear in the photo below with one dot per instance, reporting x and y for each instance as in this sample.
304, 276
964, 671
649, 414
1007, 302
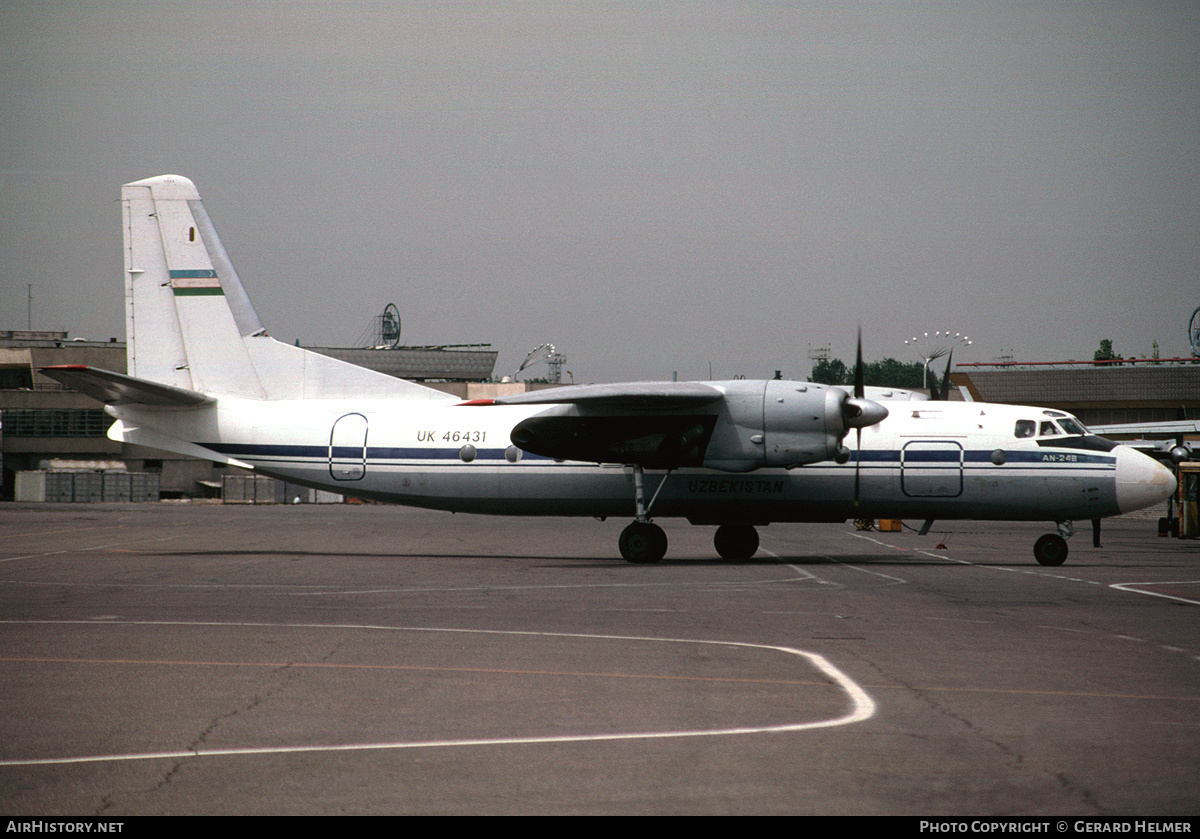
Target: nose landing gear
1051, 549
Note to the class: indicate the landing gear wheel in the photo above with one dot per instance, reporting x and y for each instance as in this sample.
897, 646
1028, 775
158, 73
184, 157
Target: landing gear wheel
643, 543
736, 542
1050, 550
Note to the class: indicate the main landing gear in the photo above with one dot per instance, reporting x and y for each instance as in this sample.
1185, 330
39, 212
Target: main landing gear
736, 542
644, 542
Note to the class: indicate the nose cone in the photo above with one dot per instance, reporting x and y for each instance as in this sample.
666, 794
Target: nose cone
1141, 480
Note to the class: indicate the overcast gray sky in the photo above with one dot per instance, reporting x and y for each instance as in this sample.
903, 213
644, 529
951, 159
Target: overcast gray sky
653, 187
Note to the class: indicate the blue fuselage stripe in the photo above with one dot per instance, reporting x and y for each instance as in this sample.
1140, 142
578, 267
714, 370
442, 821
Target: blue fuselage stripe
881, 458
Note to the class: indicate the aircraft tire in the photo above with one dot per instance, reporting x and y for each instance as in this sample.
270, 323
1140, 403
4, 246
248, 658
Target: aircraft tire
1050, 550
736, 542
643, 543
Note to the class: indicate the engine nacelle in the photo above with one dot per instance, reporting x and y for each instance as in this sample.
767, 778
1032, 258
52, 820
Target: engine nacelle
802, 423
784, 424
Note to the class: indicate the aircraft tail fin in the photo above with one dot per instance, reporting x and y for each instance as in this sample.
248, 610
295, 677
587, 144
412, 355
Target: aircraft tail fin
191, 326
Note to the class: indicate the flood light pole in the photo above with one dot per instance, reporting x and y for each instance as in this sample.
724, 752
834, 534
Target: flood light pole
932, 346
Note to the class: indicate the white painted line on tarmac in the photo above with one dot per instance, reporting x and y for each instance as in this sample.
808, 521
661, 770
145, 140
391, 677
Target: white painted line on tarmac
86, 549
1140, 588
804, 573
862, 706
896, 580
319, 590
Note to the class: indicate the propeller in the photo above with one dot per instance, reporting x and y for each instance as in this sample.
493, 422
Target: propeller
859, 412
860, 393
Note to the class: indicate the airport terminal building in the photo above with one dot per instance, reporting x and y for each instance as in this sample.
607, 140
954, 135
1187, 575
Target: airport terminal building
1098, 394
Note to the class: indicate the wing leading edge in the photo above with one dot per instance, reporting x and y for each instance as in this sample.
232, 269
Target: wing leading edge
649, 395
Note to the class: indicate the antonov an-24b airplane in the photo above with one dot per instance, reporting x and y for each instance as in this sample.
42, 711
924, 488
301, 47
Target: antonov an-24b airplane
205, 380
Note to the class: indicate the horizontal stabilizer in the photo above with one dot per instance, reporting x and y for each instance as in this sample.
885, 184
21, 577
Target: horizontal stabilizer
119, 389
123, 431
655, 395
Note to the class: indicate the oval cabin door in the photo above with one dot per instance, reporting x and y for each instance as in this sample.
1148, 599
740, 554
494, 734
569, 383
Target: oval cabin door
348, 448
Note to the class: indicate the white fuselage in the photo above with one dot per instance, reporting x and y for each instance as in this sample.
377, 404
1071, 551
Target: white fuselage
940, 460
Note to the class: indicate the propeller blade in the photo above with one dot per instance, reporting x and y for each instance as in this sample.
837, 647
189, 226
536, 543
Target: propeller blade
943, 391
857, 464
859, 389
858, 411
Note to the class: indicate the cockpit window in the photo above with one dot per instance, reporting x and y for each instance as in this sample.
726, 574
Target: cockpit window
1072, 426
1049, 429
1025, 428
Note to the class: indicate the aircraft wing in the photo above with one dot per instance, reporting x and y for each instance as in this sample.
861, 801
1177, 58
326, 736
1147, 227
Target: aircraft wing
1168, 427
646, 395
1161, 449
652, 424
118, 389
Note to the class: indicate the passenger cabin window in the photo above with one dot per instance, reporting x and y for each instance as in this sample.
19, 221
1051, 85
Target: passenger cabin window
1049, 429
1025, 428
